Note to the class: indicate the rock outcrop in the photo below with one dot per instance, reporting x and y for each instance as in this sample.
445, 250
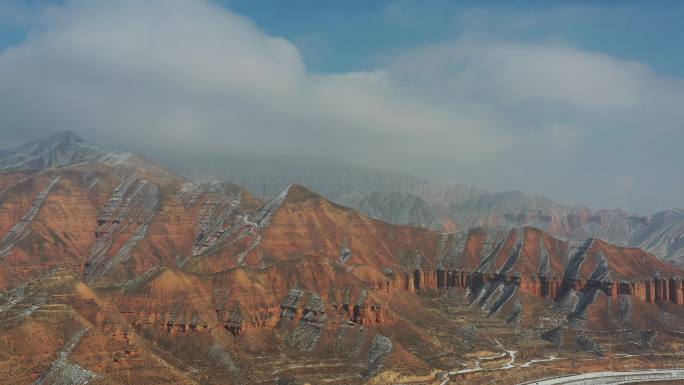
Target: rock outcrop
547, 268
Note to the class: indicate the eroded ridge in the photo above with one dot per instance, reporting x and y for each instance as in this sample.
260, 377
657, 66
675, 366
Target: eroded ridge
128, 214
21, 229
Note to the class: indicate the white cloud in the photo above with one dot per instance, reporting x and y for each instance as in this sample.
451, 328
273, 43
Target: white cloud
203, 76
190, 76
558, 77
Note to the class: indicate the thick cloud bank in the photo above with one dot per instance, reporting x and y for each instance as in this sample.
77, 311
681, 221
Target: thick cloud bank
190, 77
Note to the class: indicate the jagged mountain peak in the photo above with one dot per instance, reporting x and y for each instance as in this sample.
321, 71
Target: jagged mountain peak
297, 193
293, 194
60, 149
65, 137
61, 138
66, 148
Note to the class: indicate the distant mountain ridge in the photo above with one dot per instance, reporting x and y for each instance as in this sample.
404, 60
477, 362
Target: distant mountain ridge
398, 207
661, 234
61, 149
394, 196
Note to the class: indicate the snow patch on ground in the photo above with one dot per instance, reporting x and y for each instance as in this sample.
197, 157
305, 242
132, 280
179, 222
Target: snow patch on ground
115, 158
264, 215
21, 229
64, 372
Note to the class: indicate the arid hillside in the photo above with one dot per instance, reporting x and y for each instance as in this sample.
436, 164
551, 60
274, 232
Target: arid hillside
115, 271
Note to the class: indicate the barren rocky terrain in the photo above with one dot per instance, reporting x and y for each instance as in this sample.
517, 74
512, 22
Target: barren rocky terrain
115, 270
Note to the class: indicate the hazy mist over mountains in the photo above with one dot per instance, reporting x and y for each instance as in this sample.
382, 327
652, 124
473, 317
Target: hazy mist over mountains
392, 196
498, 100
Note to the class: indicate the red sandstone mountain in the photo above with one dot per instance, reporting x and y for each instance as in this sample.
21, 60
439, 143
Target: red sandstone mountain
117, 270
99, 217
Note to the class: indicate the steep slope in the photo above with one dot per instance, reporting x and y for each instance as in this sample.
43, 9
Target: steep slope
119, 217
299, 222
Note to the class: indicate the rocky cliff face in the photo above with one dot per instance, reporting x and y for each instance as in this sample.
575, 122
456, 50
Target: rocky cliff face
548, 268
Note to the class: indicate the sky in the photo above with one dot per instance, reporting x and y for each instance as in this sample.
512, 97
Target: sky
581, 102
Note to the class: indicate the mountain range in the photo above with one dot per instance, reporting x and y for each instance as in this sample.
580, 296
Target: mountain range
116, 270
661, 234
399, 197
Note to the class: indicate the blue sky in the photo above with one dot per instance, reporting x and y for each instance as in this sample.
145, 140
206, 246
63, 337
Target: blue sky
577, 101
353, 35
